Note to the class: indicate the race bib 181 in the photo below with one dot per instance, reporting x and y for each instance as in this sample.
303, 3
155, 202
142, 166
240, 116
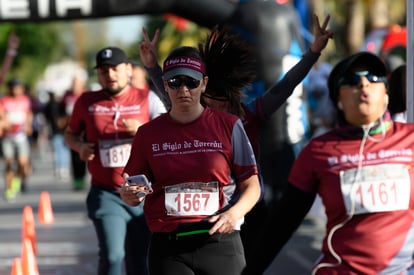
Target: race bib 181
114, 153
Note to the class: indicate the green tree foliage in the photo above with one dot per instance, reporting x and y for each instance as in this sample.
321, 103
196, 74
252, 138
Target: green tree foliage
171, 36
351, 26
40, 44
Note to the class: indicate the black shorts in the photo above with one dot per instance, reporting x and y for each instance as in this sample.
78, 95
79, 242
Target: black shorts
176, 253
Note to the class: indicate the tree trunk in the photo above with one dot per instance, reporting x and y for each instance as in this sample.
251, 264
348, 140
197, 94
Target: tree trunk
355, 25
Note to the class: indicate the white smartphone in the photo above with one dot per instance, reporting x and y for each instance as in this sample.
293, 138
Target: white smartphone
139, 180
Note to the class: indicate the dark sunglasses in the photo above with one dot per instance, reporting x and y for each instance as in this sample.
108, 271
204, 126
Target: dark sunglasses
189, 82
354, 78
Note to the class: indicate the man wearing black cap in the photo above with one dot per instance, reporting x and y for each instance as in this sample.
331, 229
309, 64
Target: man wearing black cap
108, 120
77, 88
362, 171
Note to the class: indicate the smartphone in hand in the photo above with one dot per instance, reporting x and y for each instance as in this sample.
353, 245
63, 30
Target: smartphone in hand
139, 180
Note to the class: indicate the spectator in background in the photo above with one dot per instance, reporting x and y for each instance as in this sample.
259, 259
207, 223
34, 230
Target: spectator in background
16, 118
13, 43
322, 112
322, 119
139, 76
57, 122
139, 79
78, 166
395, 57
36, 107
398, 94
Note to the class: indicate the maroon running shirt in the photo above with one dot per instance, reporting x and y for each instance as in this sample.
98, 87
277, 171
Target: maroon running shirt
379, 239
194, 168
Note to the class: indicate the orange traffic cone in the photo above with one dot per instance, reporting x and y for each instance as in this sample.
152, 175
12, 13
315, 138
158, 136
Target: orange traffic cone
45, 213
17, 267
28, 227
29, 263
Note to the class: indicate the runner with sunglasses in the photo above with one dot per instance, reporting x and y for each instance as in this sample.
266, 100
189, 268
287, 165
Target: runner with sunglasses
231, 68
363, 172
203, 177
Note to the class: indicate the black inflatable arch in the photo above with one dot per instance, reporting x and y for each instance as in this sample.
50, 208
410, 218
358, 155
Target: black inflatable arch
270, 26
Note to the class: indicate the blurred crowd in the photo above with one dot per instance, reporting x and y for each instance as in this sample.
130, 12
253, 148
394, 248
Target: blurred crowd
33, 120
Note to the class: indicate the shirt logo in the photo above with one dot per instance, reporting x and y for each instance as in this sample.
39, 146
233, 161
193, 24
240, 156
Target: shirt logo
106, 54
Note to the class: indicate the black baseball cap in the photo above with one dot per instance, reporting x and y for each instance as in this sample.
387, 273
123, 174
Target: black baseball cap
112, 56
362, 60
14, 82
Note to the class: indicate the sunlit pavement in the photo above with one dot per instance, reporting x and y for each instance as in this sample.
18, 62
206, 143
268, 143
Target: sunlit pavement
68, 245
302, 250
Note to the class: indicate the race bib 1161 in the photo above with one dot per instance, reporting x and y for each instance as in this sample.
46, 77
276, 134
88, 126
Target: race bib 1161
376, 188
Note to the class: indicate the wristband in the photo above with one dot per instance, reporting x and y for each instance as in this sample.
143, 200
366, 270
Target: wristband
11, 52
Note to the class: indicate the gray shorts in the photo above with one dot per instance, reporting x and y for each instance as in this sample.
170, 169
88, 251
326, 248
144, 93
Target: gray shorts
15, 147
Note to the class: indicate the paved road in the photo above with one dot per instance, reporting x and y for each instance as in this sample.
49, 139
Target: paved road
68, 246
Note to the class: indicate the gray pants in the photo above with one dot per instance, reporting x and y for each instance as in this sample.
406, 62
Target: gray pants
122, 233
